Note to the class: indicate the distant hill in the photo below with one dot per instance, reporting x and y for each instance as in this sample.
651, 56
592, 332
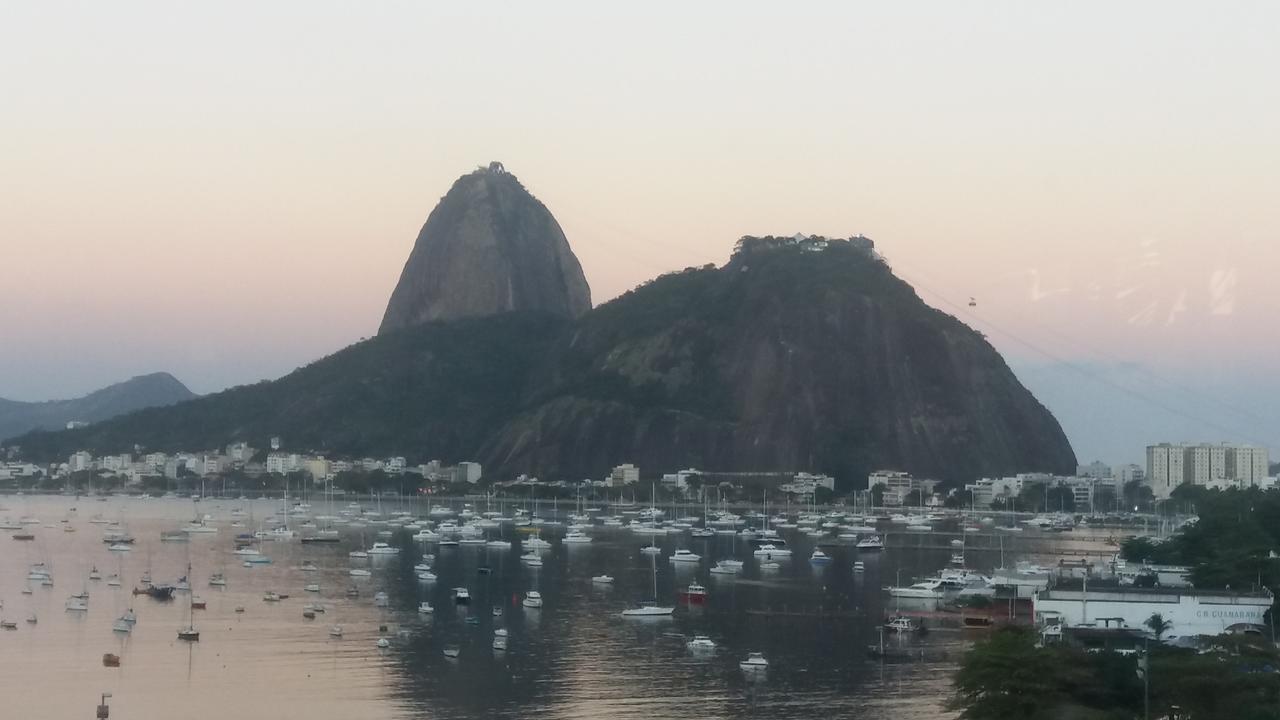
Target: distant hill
793, 356
136, 393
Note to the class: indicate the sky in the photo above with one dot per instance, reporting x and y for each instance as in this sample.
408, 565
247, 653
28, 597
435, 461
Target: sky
227, 191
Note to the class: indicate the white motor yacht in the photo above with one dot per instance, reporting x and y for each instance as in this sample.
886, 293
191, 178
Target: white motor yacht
576, 537
602, 579
532, 599
870, 542
927, 589
381, 548
755, 663
722, 569
901, 624
772, 551
701, 644
684, 556
424, 608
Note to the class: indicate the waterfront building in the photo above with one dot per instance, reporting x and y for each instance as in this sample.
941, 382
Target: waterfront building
317, 467
80, 461
806, 484
625, 474
467, 472
1190, 611
1224, 465
897, 485
680, 479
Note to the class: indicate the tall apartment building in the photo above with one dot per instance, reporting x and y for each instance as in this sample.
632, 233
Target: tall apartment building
1172, 464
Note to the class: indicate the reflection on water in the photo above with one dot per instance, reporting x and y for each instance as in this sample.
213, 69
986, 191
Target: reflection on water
576, 657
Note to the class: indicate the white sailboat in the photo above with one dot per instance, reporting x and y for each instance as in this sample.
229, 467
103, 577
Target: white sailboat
650, 609
190, 633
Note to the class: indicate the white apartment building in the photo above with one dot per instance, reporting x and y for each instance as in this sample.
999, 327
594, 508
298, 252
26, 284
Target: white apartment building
467, 472
897, 485
1223, 465
807, 484
317, 467
626, 474
80, 461
678, 480
283, 463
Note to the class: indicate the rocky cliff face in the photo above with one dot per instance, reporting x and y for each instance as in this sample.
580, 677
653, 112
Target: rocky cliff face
488, 247
795, 356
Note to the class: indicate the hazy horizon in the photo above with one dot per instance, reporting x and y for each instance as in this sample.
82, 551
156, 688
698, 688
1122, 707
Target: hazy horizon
227, 193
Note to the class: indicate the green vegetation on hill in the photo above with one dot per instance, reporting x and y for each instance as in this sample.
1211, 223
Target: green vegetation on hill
432, 390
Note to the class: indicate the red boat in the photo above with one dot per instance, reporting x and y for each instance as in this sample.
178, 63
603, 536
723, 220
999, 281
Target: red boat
695, 594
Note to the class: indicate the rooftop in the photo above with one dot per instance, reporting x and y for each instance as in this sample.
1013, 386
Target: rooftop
1111, 589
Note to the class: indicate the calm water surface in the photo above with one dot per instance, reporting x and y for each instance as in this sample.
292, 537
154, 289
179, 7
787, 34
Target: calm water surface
574, 658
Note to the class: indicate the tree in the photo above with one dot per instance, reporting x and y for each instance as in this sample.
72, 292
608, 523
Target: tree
1006, 677
915, 498
1104, 499
1158, 625
958, 499
1031, 497
877, 494
1137, 495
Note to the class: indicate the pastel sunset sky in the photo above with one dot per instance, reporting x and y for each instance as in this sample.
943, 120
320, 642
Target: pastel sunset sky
226, 191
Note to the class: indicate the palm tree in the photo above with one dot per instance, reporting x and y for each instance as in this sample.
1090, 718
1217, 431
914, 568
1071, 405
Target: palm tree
1158, 625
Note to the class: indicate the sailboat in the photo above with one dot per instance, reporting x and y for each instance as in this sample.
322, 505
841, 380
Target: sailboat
650, 609
190, 633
